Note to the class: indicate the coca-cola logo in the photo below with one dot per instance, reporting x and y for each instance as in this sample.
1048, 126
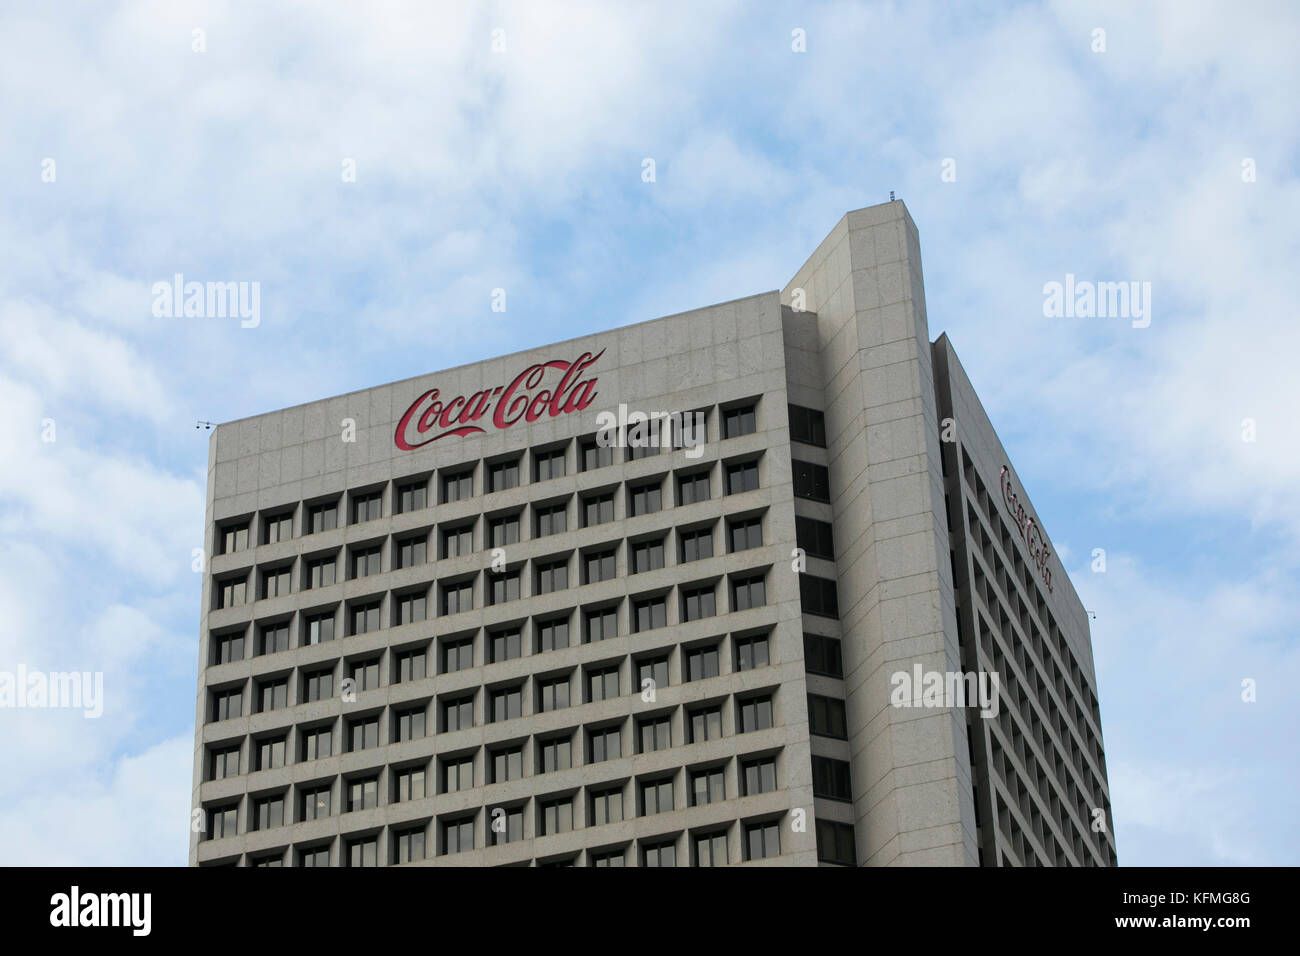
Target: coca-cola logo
1030, 531
430, 417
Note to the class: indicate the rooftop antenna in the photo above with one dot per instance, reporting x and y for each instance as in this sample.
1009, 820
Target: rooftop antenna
207, 425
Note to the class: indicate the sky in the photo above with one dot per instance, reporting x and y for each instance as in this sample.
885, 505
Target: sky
502, 146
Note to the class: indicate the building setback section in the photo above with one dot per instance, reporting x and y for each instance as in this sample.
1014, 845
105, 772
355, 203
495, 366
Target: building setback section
442, 626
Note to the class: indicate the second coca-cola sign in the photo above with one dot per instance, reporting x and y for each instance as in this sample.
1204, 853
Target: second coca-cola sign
1030, 530
430, 417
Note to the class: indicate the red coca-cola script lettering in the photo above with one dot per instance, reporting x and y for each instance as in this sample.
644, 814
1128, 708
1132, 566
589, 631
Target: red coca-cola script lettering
430, 418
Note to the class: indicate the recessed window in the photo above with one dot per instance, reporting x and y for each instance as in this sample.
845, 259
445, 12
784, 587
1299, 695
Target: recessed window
605, 744
702, 663
739, 421
317, 743
762, 840
647, 556
506, 703
318, 685
272, 695
708, 786
649, 613
412, 496
277, 527
458, 836
836, 843
597, 509
607, 807
758, 776
601, 624
555, 816
699, 602
654, 670
458, 597
457, 542
227, 704
645, 499
598, 566
711, 849
594, 455
408, 724
228, 648
748, 592
511, 825
656, 797
744, 534
807, 425
364, 618
363, 733
826, 717
411, 607
457, 714
505, 645
274, 638
503, 475
503, 587
548, 464
366, 561
363, 852
811, 481
223, 762
321, 572
822, 655
457, 655
223, 822
754, 714
705, 723
412, 551
553, 635
503, 530
268, 812
507, 764
553, 694
232, 592
832, 779
602, 683
457, 774
696, 545
693, 488
412, 665
318, 628
552, 519
362, 794
232, 537
270, 753
315, 805
815, 537
819, 596
552, 576
410, 845
659, 854
457, 486
741, 477
367, 507
654, 734
408, 785
556, 754
322, 517
751, 652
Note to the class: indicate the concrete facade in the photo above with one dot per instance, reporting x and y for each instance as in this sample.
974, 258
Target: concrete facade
766, 733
